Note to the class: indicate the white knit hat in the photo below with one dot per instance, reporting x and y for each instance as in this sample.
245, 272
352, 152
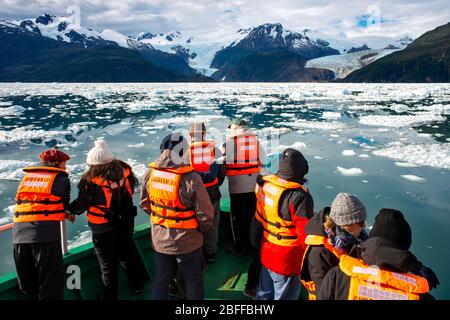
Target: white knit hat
100, 154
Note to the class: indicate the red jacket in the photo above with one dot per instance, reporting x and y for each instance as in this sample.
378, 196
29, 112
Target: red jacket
286, 260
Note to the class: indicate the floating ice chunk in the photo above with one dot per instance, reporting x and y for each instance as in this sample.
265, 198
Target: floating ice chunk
331, 115
405, 164
383, 130
348, 153
11, 111
329, 187
346, 92
82, 238
333, 135
365, 181
350, 171
400, 120
296, 145
318, 157
334, 125
412, 177
364, 156
432, 154
25, 134
138, 168
5, 103
13, 169
137, 145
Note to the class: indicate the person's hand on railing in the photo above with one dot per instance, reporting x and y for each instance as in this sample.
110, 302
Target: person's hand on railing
70, 217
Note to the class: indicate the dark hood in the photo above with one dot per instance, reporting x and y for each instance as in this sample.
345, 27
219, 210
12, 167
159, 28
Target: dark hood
390, 224
315, 226
293, 166
383, 253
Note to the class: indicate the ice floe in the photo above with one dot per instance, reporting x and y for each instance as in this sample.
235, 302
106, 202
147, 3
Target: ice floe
334, 125
137, 145
412, 177
350, 171
25, 134
11, 111
331, 115
13, 169
81, 238
348, 153
432, 154
400, 120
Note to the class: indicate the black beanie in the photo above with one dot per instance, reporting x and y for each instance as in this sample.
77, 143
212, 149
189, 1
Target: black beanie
390, 224
170, 141
292, 166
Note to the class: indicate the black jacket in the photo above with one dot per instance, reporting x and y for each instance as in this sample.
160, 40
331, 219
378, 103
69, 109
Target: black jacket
374, 251
44, 231
318, 260
122, 207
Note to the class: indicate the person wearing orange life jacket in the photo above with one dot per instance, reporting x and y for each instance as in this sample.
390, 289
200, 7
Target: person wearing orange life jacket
105, 192
203, 157
320, 254
284, 206
243, 158
385, 268
41, 202
180, 211
336, 230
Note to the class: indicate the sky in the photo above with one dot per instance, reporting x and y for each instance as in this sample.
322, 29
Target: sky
209, 20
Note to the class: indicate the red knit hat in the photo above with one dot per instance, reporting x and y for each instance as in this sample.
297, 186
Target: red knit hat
53, 155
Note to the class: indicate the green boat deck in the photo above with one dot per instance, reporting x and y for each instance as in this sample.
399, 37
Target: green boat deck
224, 279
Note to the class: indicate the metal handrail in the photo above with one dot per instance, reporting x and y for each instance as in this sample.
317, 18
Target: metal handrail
9, 226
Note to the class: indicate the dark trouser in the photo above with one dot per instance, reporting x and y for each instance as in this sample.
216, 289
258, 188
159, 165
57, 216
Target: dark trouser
117, 246
40, 270
254, 271
190, 267
242, 207
211, 237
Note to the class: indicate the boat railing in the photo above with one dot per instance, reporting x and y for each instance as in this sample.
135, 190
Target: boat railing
9, 226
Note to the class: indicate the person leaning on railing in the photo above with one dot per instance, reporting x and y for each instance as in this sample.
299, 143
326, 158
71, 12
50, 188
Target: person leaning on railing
41, 202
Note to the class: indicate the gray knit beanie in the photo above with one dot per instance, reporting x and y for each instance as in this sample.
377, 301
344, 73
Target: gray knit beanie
347, 209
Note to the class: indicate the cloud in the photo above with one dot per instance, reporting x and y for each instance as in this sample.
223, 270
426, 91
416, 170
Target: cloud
215, 20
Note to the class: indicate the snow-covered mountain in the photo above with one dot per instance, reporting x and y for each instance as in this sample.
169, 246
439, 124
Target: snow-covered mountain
185, 54
356, 52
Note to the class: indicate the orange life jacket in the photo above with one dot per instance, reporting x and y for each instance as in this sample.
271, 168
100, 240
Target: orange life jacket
34, 198
246, 155
276, 230
373, 283
99, 213
165, 205
315, 240
201, 155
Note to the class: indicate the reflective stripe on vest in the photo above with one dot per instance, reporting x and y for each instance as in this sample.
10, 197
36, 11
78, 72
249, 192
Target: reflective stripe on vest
315, 240
34, 198
276, 230
245, 155
100, 213
202, 155
165, 205
373, 283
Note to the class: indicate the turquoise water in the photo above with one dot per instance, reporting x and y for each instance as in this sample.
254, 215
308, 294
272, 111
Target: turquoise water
388, 144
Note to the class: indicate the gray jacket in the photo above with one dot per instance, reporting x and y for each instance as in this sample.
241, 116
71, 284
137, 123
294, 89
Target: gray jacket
192, 193
44, 231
